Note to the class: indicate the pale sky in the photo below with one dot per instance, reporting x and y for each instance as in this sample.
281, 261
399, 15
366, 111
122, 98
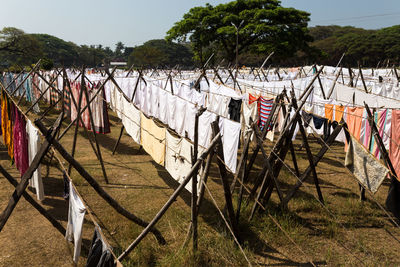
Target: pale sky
136, 21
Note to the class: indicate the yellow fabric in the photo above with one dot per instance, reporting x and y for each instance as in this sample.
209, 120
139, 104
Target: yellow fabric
153, 139
6, 125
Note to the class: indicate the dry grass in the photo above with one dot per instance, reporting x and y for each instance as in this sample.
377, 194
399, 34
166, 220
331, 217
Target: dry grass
357, 231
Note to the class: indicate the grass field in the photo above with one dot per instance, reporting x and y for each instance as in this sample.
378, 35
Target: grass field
344, 232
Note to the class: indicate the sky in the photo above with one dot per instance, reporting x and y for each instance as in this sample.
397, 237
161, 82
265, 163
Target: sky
133, 22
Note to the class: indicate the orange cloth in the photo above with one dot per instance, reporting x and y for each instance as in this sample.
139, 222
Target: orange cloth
253, 99
329, 111
354, 120
339, 110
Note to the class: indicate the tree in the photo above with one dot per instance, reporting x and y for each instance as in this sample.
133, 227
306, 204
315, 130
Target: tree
18, 47
147, 56
58, 50
119, 47
266, 26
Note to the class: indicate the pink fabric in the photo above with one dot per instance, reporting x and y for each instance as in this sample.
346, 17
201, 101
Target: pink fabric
381, 127
394, 150
20, 142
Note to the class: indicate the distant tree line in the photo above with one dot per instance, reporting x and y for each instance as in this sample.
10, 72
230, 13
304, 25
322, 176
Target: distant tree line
18, 49
258, 27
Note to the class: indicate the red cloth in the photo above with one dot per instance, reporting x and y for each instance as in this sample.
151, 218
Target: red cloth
252, 99
394, 150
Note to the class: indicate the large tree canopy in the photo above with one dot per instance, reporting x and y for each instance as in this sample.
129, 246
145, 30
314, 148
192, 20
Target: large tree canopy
18, 47
265, 26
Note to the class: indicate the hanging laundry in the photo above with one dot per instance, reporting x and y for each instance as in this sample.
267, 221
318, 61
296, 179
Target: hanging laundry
265, 111
190, 118
249, 112
329, 108
163, 106
382, 120
180, 116
256, 99
6, 123
76, 214
306, 118
131, 120
235, 106
33, 147
205, 133
178, 158
153, 139
66, 186
318, 122
354, 120
20, 142
230, 131
364, 166
394, 151
365, 133
99, 253
339, 111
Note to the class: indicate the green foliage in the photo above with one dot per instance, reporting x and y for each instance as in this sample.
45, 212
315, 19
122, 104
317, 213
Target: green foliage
367, 46
47, 64
265, 26
159, 52
16, 47
58, 50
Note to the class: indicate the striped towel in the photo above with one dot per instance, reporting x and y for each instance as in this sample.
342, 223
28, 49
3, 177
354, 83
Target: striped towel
265, 110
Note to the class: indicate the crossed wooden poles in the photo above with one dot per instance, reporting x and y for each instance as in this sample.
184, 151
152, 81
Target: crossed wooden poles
266, 180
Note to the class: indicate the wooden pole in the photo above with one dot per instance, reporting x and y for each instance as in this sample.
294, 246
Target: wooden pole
334, 83
308, 150
362, 78
77, 123
95, 185
172, 198
194, 180
224, 178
